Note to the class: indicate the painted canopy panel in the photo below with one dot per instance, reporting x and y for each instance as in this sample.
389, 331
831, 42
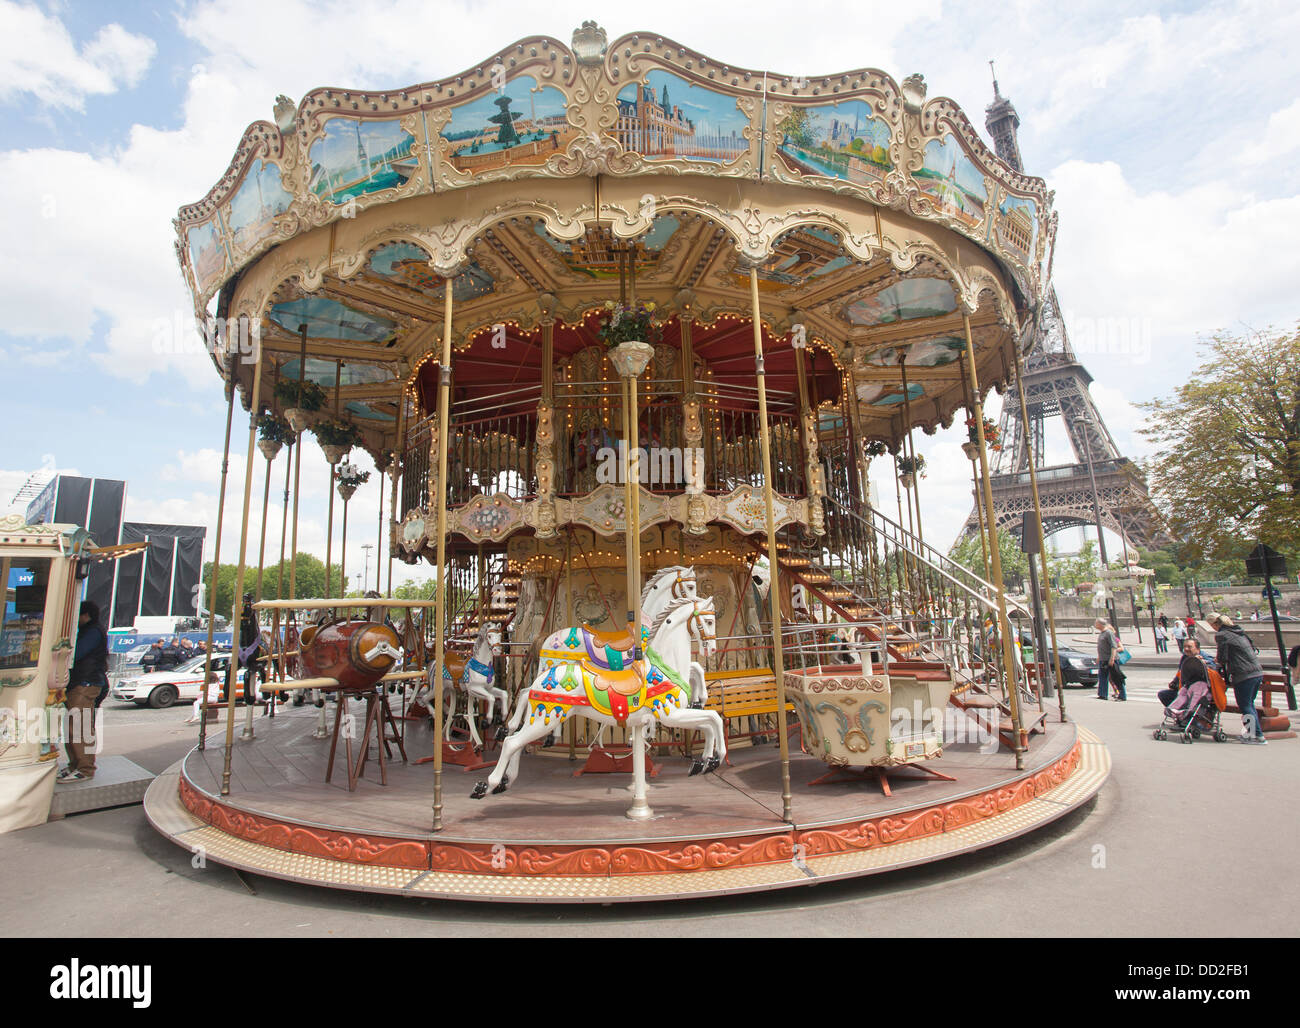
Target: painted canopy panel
256, 204
408, 265
520, 123
667, 116
951, 180
351, 373
329, 319
902, 301
836, 140
357, 156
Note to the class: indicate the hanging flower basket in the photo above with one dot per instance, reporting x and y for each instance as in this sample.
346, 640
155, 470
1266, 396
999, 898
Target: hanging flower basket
297, 418
909, 468
629, 330
270, 448
336, 438
349, 477
972, 450
273, 432
992, 434
631, 358
875, 448
305, 395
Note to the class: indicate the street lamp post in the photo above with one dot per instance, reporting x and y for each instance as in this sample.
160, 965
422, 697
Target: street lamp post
1083, 424
367, 547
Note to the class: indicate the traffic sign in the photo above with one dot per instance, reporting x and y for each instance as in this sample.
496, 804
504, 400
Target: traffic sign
1264, 560
1277, 593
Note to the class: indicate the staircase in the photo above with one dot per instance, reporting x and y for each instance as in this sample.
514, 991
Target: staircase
926, 609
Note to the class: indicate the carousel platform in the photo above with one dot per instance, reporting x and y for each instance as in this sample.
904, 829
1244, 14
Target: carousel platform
557, 838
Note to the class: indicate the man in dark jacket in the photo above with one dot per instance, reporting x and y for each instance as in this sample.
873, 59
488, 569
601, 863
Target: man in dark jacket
1191, 649
1240, 666
87, 683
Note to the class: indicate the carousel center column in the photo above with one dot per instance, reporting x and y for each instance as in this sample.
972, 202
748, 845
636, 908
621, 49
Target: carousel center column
774, 563
440, 605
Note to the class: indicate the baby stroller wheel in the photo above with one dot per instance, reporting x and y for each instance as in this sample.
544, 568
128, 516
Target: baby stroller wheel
1156, 734
1220, 736
1161, 734
1195, 731
1187, 737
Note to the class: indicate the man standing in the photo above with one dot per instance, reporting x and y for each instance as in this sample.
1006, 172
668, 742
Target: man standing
1109, 672
1239, 664
1191, 648
87, 680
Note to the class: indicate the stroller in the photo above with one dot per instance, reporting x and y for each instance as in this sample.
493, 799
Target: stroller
1199, 717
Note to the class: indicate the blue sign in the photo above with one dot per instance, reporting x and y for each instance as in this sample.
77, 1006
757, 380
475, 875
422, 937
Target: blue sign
125, 642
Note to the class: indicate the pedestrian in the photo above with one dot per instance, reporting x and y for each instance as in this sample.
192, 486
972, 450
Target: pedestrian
1240, 665
1179, 633
1109, 671
1162, 639
1191, 648
87, 686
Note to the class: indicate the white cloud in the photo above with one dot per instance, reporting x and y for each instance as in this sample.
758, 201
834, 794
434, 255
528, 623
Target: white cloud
38, 56
1281, 136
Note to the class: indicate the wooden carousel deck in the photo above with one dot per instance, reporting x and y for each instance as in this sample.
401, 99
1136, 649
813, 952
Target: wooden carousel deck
554, 837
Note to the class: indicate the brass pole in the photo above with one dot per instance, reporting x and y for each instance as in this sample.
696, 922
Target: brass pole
329, 535
634, 525
628, 541
379, 538
911, 445
254, 402
1009, 663
343, 554
1042, 536
297, 468
229, 378
261, 546
395, 469
774, 590
284, 524
444, 412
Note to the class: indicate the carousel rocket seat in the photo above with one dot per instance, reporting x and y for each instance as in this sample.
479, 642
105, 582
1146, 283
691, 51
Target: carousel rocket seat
355, 653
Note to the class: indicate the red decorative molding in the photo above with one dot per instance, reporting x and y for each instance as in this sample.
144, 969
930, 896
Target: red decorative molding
647, 858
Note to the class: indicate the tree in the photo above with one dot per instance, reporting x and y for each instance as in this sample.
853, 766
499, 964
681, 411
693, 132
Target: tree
1015, 564
1227, 469
1068, 570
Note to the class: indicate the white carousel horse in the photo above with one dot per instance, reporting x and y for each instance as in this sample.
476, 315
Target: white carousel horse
664, 587
649, 690
474, 675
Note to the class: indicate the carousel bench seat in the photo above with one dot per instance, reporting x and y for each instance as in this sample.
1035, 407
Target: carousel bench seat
742, 693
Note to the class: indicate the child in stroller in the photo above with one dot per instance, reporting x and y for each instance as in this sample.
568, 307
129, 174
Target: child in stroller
1201, 698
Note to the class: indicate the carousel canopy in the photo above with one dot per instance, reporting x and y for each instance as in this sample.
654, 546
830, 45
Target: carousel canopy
549, 179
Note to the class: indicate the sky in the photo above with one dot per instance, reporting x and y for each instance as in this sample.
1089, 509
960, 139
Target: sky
1168, 131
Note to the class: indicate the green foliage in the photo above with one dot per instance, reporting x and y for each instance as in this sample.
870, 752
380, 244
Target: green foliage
310, 583
337, 433
273, 428
1015, 564
798, 126
305, 395
1227, 468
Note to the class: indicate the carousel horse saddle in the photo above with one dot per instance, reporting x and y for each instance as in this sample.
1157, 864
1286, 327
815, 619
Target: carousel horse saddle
615, 639
625, 682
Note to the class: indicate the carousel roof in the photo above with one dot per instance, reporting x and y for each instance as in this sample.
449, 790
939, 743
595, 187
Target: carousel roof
875, 219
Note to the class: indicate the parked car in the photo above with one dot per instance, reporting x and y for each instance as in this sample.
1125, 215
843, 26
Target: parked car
1077, 667
164, 688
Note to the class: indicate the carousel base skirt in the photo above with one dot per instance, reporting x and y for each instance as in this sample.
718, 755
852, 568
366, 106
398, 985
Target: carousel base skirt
554, 838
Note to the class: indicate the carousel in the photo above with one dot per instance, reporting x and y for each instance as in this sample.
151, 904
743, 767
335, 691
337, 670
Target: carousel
630, 338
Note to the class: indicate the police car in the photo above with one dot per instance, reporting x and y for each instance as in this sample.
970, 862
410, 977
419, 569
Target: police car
163, 688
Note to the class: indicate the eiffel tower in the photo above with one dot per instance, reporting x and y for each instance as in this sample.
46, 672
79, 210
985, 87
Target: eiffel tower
1056, 385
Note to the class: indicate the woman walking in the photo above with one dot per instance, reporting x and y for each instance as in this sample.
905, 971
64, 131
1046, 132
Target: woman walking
1240, 665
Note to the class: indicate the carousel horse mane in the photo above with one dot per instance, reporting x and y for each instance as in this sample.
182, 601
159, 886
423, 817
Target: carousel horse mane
667, 612
658, 577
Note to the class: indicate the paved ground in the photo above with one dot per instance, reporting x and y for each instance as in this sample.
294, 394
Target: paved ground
1171, 815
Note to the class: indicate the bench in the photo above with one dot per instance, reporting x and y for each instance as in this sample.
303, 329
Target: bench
748, 693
